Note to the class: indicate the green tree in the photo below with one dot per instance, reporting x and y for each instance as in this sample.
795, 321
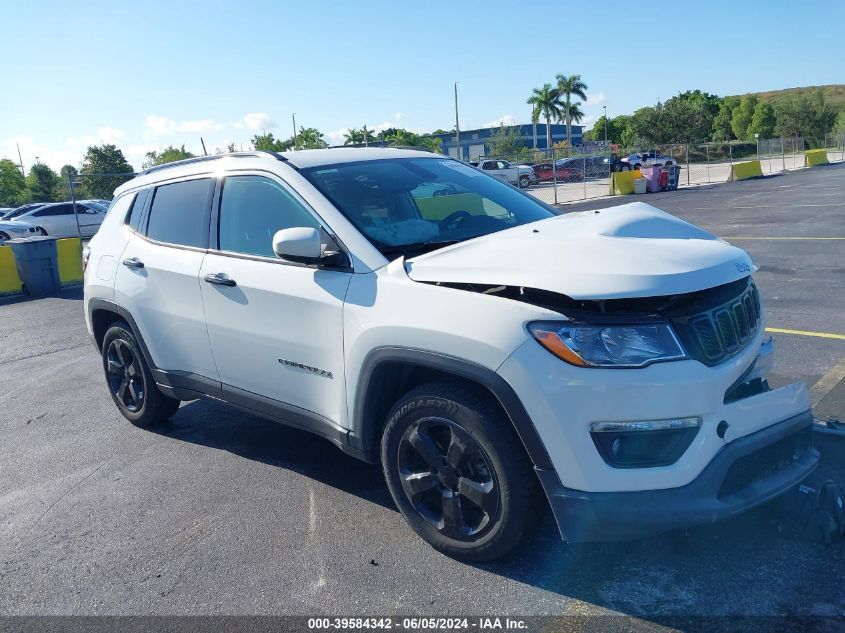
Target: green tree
567, 87
41, 182
431, 143
701, 100
614, 127
809, 117
504, 142
12, 184
169, 154
741, 119
105, 159
722, 130
310, 138
686, 120
355, 136
763, 121
546, 103
268, 143
62, 188
400, 137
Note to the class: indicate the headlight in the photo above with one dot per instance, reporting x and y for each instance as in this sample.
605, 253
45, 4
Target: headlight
586, 345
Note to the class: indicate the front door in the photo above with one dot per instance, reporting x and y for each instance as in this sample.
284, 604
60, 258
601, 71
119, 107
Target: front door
276, 328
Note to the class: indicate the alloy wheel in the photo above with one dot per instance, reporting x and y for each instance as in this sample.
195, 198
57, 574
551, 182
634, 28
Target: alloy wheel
448, 478
125, 376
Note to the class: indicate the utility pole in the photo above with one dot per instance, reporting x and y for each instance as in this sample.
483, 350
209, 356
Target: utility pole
293, 116
605, 123
20, 160
457, 125
204, 151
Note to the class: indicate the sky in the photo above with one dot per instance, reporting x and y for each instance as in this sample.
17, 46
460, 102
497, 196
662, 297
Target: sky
145, 75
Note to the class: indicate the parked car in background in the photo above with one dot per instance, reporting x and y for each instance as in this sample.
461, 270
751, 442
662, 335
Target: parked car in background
10, 230
57, 219
13, 213
638, 159
519, 175
5, 210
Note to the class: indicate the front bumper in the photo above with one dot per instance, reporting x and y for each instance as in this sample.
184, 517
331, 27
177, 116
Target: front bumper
745, 473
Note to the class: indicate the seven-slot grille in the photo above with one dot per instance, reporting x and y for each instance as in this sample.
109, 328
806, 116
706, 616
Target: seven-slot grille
724, 330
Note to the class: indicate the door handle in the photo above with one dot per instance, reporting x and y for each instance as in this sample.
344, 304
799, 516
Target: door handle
133, 262
220, 279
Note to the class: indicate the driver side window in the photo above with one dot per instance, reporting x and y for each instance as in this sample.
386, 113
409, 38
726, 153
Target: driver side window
252, 209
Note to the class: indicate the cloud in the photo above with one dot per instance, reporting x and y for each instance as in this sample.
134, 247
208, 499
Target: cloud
104, 136
399, 116
31, 149
159, 125
596, 99
505, 119
257, 121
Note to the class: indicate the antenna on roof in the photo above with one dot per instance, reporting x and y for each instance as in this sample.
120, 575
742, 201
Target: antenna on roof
204, 151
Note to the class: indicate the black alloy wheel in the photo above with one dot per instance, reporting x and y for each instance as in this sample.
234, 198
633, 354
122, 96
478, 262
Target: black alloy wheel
447, 477
130, 381
124, 375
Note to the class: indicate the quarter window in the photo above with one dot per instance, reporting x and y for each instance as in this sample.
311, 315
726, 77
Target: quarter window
179, 213
134, 219
252, 209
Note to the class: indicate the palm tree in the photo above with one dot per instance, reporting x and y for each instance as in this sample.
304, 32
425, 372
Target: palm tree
546, 102
566, 88
352, 136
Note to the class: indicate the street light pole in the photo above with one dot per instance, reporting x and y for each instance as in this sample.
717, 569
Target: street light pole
605, 123
293, 116
457, 125
73, 202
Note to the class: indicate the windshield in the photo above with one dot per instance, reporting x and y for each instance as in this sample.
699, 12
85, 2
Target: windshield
20, 211
411, 205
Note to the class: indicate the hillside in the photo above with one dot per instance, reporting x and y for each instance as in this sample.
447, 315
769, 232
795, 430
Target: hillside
834, 94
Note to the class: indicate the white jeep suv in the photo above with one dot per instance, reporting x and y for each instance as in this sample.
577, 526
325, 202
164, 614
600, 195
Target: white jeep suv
495, 356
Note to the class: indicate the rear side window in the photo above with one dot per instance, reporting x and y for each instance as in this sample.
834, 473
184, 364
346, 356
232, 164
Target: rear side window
121, 205
252, 209
137, 210
179, 213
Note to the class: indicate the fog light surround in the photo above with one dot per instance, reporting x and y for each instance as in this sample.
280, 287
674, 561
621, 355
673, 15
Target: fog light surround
644, 443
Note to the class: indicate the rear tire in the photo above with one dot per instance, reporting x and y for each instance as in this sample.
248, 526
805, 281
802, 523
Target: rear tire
524, 182
3, 237
458, 473
130, 381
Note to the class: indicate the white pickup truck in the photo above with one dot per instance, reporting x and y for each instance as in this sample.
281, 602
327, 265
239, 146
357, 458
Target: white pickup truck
520, 175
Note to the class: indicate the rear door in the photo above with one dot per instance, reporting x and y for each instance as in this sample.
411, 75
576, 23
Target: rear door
158, 280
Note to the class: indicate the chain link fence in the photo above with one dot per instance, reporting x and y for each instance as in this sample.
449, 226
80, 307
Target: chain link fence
567, 174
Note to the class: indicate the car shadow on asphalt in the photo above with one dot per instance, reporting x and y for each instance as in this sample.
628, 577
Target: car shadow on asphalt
72, 293
739, 566
768, 561
217, 426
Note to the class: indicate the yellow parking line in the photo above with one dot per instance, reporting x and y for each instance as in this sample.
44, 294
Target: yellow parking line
777, 330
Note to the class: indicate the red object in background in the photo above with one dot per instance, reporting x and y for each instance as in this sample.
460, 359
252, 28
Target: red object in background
563, 174
663, 183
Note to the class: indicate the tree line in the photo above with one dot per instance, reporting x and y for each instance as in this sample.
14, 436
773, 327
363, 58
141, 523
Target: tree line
695, 116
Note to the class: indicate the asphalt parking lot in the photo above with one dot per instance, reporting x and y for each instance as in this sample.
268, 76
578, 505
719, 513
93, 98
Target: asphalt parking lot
222, 513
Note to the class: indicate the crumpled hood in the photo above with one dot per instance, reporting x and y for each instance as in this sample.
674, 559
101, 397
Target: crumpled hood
629, 251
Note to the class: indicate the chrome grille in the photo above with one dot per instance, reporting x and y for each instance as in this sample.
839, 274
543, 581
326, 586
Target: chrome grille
724, 330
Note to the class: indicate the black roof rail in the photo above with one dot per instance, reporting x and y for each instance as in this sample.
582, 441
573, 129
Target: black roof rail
202, 159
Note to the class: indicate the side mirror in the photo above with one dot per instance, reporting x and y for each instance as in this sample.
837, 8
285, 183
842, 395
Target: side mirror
300, 244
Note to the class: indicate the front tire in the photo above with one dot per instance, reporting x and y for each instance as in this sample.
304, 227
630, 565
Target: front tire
130, 381
458, 473
524, 182
41, 231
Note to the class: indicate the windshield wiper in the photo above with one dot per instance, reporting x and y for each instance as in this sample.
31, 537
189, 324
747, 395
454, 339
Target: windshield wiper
415, 247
